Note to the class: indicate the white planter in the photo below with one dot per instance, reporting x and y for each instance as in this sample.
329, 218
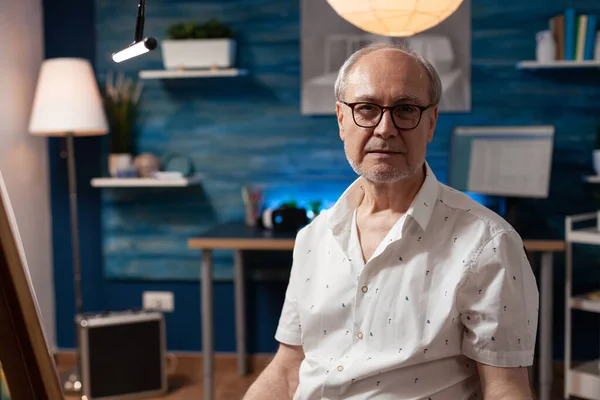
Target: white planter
118, 162
198, 53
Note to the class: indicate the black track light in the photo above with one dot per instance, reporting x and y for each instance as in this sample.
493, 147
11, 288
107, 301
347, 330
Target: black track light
140, 44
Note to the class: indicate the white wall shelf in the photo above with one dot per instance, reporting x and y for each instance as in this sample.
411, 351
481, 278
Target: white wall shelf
145, 182
592, 179
191, 73
558, 64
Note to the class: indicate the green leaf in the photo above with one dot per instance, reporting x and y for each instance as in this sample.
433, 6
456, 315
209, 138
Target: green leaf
213, 28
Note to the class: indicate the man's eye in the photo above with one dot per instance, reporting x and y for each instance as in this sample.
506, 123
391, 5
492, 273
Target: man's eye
365, 107
406, 108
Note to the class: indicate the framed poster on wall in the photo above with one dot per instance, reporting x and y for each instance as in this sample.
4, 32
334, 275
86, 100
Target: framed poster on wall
327, 40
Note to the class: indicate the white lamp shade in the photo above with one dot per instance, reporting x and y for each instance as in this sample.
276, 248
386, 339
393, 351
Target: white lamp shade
67, 99
395, 18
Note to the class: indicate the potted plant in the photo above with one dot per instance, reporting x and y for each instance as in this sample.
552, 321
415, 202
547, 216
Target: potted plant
196, 46
121, 99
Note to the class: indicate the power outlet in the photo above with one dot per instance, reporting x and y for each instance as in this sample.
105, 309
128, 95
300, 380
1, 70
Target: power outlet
158, 301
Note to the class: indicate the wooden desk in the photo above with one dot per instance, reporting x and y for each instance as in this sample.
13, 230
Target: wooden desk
238, 237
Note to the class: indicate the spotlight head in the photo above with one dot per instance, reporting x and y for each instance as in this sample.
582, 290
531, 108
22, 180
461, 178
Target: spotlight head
135, 49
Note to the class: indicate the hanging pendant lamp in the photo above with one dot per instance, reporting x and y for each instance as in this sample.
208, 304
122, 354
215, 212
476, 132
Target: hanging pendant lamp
395, 18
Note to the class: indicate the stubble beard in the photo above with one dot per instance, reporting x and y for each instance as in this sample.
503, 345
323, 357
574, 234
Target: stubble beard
384, 173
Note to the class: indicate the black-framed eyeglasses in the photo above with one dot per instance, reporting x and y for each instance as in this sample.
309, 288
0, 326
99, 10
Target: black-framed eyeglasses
369, 115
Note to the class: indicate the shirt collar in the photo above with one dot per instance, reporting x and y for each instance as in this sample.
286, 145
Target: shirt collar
423, 203
340, 215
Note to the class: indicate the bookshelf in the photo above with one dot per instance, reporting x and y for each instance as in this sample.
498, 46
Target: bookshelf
580, 380
574, 36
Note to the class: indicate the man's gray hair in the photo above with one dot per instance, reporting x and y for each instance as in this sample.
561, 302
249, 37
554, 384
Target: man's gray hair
435, 84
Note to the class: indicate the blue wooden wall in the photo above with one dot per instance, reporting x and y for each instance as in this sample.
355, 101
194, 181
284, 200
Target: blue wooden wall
237, 131
249, 130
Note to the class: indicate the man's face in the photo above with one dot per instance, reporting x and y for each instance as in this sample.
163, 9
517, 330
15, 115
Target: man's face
385, 153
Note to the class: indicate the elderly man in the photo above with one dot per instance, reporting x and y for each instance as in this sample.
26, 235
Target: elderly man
405, 288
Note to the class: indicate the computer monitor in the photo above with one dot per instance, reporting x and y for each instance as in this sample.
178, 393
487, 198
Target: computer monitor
507, 161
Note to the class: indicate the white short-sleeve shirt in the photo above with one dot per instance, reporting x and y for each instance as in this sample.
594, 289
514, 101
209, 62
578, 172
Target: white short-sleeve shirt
448, 286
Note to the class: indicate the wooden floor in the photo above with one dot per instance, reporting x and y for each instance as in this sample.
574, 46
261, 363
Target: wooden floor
185, 383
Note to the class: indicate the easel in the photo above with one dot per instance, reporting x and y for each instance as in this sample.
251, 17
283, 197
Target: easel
28, 365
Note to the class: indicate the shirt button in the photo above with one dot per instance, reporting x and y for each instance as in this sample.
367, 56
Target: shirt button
365, 289
340, 368
359, 335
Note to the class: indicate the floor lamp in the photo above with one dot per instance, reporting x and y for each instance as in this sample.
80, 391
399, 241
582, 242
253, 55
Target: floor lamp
67, 103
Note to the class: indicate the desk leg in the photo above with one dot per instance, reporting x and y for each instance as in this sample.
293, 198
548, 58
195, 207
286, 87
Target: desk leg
240, 313
207, 323
545, 362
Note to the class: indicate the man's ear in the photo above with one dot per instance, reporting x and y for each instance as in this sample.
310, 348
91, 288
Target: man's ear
340, 118
433, 116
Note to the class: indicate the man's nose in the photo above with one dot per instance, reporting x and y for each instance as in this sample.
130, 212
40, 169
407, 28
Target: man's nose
386, 127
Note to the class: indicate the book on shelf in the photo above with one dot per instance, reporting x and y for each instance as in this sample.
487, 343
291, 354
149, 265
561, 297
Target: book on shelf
574, 35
